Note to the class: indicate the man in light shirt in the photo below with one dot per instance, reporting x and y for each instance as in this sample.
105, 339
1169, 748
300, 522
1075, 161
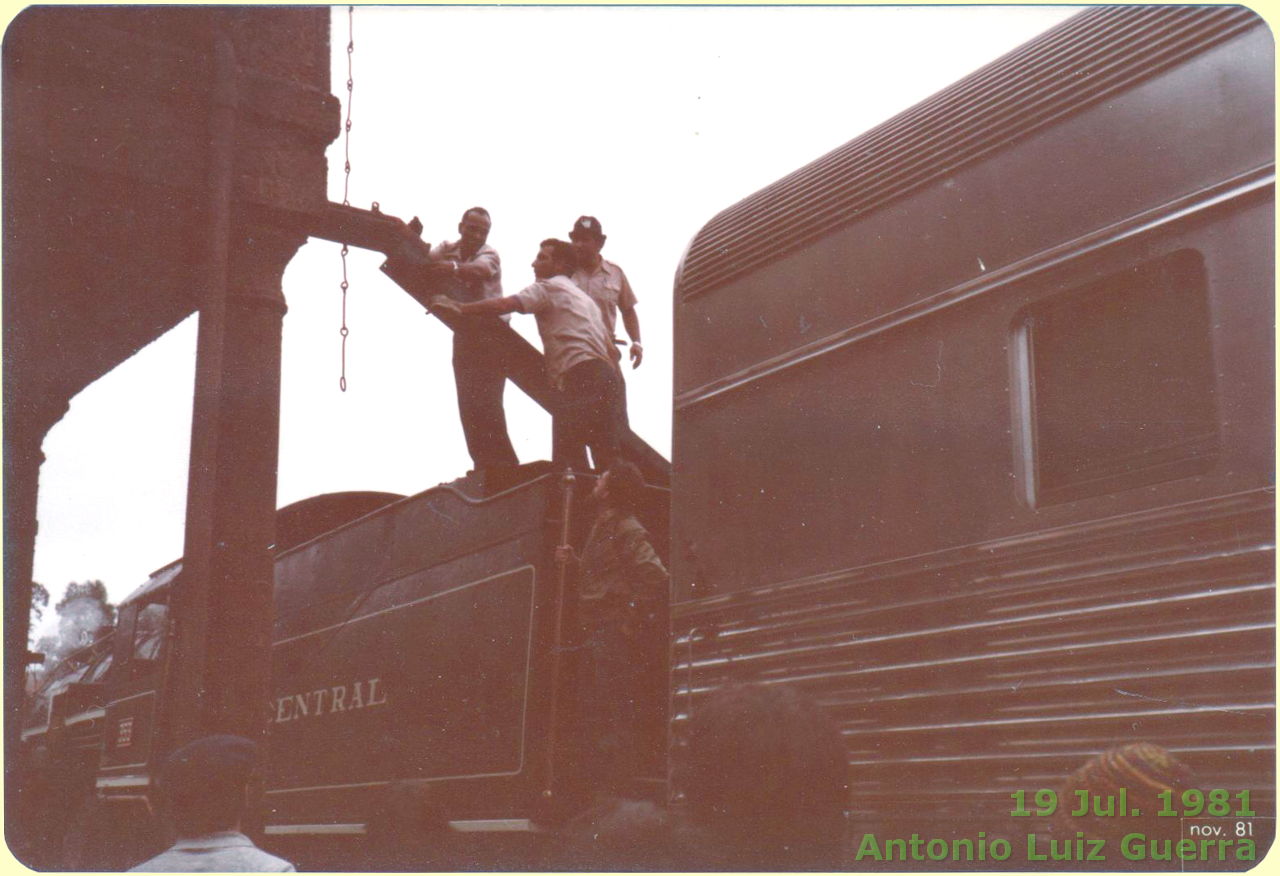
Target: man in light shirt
471, 270
608, 287
578, 352
206, 786
605, 283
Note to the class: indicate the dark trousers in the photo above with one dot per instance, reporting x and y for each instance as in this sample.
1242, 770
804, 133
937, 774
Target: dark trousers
624, 422
480, 376
588, 413
610, 678
619, 359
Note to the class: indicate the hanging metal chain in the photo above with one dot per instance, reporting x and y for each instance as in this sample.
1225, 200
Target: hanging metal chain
346, 188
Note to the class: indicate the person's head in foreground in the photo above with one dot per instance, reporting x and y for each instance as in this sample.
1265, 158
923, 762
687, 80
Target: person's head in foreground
767, 780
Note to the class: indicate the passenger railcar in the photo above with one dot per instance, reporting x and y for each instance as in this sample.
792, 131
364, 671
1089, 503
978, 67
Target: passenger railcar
974, 425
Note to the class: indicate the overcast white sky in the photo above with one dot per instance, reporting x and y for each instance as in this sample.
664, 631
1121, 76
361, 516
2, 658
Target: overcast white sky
652, 119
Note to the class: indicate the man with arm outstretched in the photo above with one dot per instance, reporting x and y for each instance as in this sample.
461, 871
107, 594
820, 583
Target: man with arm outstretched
578, 352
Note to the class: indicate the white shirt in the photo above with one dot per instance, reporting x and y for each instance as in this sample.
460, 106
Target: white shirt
474, 290
226, 851
570, 324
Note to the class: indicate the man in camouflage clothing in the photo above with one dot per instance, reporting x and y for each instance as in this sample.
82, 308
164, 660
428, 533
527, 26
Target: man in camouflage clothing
622, 587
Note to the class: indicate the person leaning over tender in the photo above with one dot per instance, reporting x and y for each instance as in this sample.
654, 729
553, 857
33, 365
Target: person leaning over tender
577, 350
622, 589
472, 271
206, 786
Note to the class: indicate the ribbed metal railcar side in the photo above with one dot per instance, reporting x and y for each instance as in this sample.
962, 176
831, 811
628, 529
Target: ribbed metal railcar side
858, 509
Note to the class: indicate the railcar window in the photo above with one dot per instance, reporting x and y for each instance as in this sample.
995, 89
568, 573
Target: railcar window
1122, 381
149, 632
100, 668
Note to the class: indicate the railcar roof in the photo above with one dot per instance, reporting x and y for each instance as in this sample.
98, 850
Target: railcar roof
1083, 60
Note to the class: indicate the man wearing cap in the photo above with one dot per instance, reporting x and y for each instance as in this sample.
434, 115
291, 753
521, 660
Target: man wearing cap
605, 283
472, 271
577, 350
206, 785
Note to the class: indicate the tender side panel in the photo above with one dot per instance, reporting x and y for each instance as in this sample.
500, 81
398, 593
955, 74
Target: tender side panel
412, 645
429, 680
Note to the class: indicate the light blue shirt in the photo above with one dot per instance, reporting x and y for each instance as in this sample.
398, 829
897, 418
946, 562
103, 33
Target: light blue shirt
226, 851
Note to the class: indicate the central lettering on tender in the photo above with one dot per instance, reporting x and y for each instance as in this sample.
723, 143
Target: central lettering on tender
327, 700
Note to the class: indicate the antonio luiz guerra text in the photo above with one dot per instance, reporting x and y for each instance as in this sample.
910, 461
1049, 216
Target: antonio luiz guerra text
1204, 826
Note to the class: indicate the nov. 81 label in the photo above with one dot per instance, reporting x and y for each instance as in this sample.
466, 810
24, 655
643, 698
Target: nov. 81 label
1190, 803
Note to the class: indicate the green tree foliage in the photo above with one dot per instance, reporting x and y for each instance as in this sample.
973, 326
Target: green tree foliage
93, 590
39, 602
85, 613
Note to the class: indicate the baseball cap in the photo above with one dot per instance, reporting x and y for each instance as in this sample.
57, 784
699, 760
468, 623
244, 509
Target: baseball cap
586, 225
231, 759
